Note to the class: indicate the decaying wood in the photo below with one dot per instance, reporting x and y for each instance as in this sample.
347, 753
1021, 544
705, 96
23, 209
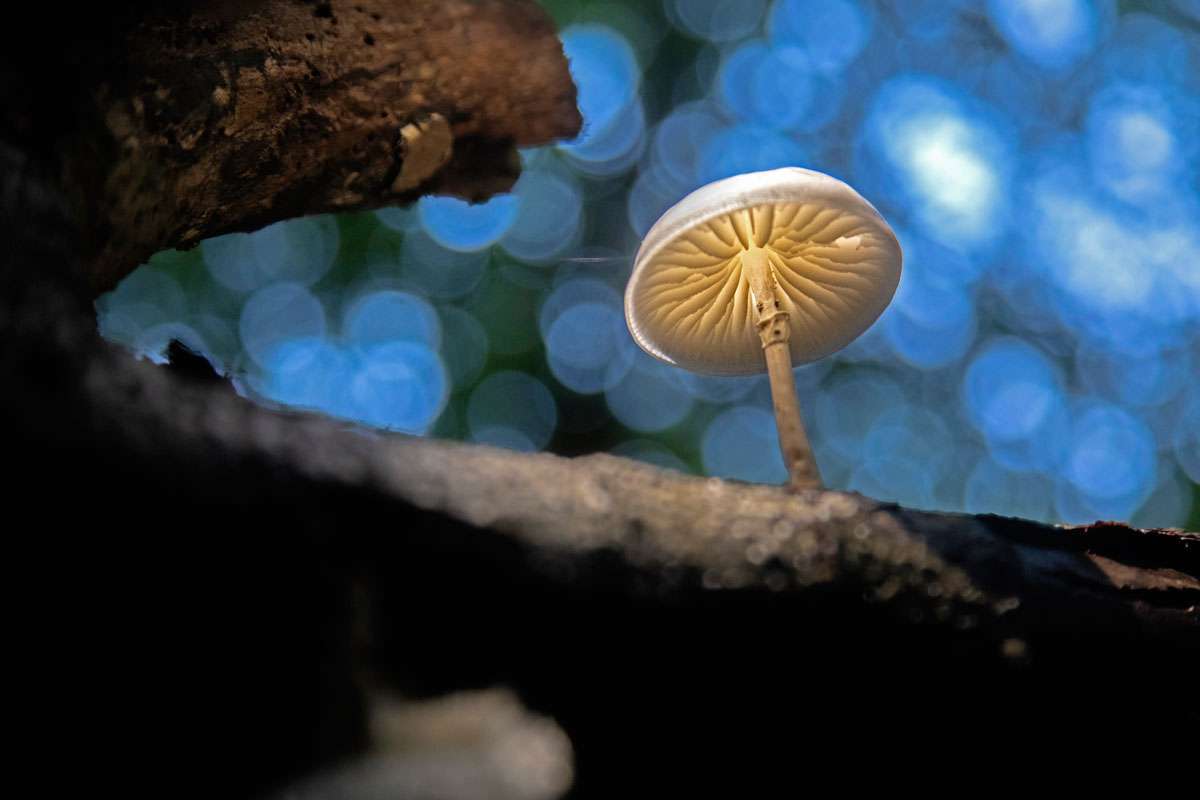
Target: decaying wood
232, 115
674, 533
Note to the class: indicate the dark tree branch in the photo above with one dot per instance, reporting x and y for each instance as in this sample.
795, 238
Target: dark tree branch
671, 534
228, 116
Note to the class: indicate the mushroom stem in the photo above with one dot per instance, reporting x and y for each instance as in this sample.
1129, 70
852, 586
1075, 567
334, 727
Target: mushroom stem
774, 331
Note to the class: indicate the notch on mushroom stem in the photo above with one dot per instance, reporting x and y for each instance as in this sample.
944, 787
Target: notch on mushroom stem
760, 272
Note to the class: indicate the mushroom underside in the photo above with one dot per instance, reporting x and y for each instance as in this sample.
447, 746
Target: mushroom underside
690, 301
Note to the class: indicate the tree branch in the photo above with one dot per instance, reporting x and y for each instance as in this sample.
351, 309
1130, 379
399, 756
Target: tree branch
674, 534
227, 117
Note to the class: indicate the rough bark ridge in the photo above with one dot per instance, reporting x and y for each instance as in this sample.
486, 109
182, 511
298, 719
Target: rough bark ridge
231, 115
225, 579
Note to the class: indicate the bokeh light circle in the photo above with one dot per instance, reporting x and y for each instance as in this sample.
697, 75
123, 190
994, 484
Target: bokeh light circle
399, 385
831, 33
297, 250
718, 20
458, 225
605, 71
741, 443
512, 400
277, 315
589, 348
548, 217
648, 398
390, 316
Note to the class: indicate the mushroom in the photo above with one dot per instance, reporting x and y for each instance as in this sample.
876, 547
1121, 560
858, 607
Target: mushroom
762, 271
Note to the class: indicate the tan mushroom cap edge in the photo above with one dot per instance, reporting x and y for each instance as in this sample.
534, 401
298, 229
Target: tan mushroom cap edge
834, 258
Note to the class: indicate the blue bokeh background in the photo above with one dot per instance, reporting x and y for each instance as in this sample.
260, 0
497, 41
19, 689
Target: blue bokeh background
1039, 159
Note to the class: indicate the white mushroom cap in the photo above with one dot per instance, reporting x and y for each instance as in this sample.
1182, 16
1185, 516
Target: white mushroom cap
834, 258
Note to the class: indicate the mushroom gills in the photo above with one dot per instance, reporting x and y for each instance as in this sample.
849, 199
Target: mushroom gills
825, 263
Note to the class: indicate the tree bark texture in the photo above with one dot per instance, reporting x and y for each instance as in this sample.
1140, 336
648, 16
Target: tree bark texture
228, 116
228, 580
